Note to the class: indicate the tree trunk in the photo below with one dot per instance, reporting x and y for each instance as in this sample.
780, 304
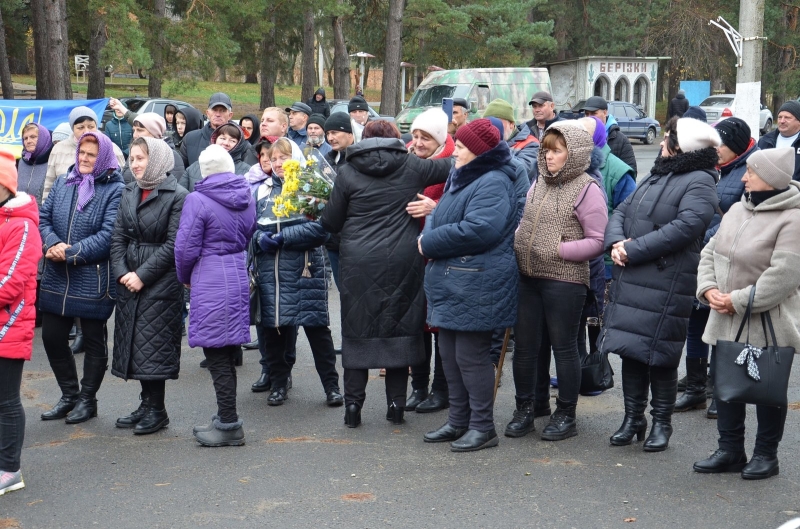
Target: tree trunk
40, 41
5, 71
95, 72
268, 51
156, 50
341, 62
56, 75
64, 47
391, 61
309, 65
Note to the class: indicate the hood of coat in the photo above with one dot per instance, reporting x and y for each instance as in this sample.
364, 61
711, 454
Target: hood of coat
789, 199
579, 154
194, 120
255, 137
377, 157
238, 152
496, 158
229, 189
22, 206
321, 92
684, 162
256, 174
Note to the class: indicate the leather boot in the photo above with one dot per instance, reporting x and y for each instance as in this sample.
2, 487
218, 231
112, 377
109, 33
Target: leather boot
77, 345
635, 387
541, 408
522, 422
437, 400
156, 417
711, 412
663, 385
562, 423
352, 415
132, 419
694, 398
417, 396
94, 369
395, 414
67, 377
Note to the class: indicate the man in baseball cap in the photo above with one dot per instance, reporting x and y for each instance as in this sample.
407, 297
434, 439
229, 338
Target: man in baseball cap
544, 113
299, 113
619, 144
219, 112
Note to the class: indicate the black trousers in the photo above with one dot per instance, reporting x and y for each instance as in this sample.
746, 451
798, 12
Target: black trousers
154, 389
222, 366
12, 414
730, 424
278, 342
355, 386
470, 378
421, 374
55, 336
291, 353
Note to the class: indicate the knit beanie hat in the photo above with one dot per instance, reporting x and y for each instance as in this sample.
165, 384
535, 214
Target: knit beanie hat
696, 113
478, 136
357, 103
498, 125
318, 119
339, 121
734, 133
500, 108
81, 112
8, 171
694, 135
61, 132
792, 107
160, 161
214, 160
155, 124
773, 166
434, 122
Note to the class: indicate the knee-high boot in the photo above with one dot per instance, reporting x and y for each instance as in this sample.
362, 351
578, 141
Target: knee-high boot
695, 395
635, 386
67, 377
664, 387
94, 369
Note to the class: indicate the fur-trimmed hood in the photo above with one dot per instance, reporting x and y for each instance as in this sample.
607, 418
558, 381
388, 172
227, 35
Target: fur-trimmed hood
497, 158
684, 162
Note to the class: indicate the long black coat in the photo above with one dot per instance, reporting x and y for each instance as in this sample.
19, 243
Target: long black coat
380, 269
147, 324
651, 297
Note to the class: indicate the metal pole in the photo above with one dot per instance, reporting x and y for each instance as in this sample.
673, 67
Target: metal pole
748, 75
403, 85
361, 82
321, 62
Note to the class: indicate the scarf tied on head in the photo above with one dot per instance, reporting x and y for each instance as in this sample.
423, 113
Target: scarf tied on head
160, 161
106, 160
42, 144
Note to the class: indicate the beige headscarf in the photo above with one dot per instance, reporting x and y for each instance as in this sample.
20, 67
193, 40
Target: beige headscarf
161, 160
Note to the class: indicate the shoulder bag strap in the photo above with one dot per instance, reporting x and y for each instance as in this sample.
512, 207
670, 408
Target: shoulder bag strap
746, 317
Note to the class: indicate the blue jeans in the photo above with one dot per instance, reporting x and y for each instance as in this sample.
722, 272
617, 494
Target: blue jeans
548, 309
12, 415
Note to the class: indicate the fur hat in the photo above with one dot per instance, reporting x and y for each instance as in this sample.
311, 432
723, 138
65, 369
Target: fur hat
434, 122
694, 135
214, 160
500, 108
478, 136
773, 166
155, 124
81, 112
8, 171
339, 121
734, 133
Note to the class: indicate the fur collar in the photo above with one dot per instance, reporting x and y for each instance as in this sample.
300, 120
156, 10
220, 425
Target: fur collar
491, 160
685, 162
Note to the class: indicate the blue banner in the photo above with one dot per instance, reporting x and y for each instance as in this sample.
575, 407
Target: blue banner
15, 114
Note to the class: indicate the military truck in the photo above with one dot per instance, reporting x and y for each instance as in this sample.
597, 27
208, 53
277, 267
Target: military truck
479, 86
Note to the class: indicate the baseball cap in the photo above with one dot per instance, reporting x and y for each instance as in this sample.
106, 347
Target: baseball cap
300, 107
540, 97
595, 103
460, 102
220, 99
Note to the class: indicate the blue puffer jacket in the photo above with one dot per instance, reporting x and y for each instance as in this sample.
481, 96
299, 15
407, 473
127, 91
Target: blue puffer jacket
120, 132
292, 282
82, 286
471, 279
730, 187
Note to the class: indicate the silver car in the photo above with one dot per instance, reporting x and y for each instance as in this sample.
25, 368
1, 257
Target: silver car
720, 106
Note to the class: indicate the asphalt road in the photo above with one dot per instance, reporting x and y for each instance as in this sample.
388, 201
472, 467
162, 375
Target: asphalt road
302, 468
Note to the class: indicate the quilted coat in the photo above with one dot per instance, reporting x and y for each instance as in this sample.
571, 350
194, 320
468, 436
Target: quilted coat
192, 174
471, 279
287, 297
217, 222
651, 297
380, 268
20, 251
81, 286
147, 324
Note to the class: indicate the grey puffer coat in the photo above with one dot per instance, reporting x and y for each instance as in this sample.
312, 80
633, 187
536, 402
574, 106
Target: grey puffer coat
651, 297
147, 324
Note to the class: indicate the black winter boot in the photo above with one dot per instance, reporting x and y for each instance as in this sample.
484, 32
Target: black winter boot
94, 369
562, 423
132, 419
664, 388
694, 398
635, 387
77, 345
395, 413
522, 422
156, 417
416, 398
67, 377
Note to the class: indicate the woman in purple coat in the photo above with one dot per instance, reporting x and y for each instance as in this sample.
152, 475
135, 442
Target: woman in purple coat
217, 222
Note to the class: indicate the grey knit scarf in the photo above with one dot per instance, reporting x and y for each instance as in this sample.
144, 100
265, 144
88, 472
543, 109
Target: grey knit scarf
161, 160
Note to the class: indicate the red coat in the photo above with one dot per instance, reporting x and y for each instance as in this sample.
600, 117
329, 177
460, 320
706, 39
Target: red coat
20, 252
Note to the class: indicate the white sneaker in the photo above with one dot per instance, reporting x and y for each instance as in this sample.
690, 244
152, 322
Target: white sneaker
11, 481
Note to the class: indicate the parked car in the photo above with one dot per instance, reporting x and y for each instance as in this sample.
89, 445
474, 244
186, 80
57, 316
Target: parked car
633, 122
141, 105
575, 112
340, 105
721, 106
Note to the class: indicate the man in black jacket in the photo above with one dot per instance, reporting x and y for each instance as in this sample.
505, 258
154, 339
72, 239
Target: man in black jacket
787, 134
220, 111
678, 106
619, 144
544, 113
318, 103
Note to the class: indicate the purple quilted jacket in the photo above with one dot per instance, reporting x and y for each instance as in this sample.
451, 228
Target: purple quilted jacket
217, 222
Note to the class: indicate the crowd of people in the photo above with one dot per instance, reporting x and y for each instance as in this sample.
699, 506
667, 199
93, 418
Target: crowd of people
440, 243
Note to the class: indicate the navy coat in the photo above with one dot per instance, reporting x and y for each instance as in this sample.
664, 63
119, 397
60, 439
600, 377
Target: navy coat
729, 189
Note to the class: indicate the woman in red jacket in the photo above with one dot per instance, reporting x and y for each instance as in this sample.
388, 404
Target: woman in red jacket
20, 251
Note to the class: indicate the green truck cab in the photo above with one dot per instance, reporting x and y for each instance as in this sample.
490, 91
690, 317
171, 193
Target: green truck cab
479, 86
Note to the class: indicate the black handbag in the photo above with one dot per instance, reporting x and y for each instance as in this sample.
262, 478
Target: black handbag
255, 295
596, 372
752, 375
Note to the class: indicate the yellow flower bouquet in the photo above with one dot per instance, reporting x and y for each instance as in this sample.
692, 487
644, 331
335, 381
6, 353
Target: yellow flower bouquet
305, 190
